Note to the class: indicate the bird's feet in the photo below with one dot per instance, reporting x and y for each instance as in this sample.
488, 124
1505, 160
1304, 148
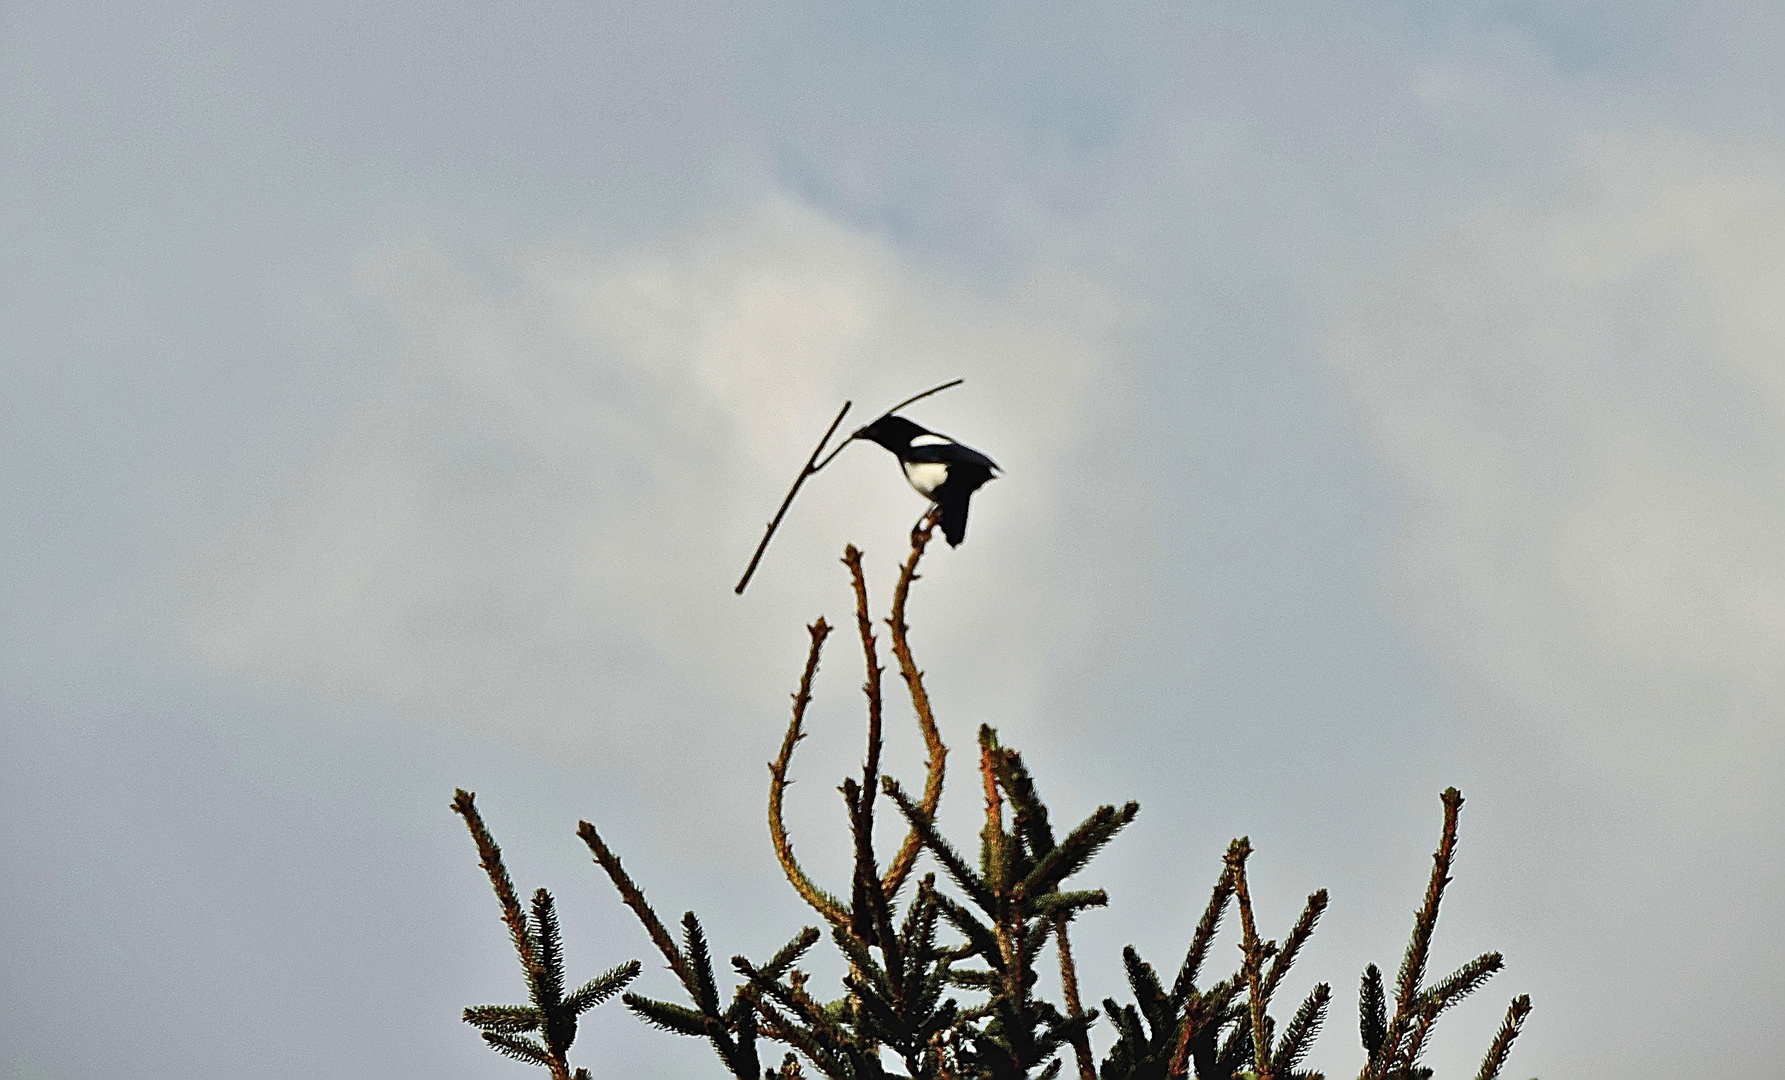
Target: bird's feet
931, 518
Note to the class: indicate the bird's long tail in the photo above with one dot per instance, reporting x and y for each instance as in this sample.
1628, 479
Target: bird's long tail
954, 517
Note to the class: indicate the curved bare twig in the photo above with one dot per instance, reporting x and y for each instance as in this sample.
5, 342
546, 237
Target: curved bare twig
822, 902
920, 701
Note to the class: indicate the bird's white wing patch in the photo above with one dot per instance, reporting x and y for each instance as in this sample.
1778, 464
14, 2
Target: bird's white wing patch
930, 438
926, 476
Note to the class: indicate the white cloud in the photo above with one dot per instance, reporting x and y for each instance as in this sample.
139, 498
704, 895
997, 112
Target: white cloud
1589, 399
589, 454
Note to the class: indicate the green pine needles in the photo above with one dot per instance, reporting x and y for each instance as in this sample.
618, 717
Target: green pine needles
540, 946
944, 981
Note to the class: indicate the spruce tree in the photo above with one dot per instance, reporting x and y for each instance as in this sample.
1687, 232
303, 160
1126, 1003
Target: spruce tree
944, 976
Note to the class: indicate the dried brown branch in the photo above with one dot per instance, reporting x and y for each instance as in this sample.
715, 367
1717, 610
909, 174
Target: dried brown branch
464, 804
1081, 1040
936, 766
1008, 926
805, 471
867, 878
852, 558
994, 811
1254, 951
538, 943
634, 898
1413, 965
826, 905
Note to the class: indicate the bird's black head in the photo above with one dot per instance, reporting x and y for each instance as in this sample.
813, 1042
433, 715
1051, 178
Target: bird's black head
893, 432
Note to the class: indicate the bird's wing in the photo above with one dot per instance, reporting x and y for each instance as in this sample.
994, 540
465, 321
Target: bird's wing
949, 453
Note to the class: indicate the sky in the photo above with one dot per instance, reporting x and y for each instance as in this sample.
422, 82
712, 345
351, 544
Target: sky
1389, 396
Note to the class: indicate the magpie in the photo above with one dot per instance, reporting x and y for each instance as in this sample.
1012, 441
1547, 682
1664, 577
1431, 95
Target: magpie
942, 470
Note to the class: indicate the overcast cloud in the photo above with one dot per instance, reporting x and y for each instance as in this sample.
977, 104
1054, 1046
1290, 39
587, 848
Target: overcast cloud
1388, 396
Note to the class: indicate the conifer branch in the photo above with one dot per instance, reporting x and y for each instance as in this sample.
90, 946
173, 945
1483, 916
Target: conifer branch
634, 897
1502, 1044
1078, 848
820, 901
994, 868
1081, 1039
732, 1033
1011, 903
1143, 983
705, 990
1299, 1035
1298, 936
464, 804
503, 1019
864, 623
1239, 1047
1413, 1048
871, 916
1031, 824
520, 1049
1413, 964
1254, 952
668, 1016
1462, 982
936, 766
1054, 904
925, 829
547, 979
602, 987
1206, 929
867, 894
539, 945
781, 962
1372, 1014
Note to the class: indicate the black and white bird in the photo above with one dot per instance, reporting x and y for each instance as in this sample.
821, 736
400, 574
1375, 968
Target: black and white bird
942, 470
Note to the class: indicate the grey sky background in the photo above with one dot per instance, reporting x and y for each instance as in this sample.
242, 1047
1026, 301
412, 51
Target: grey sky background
1391, 396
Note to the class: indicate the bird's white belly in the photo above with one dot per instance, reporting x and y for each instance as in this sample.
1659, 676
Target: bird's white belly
926, 476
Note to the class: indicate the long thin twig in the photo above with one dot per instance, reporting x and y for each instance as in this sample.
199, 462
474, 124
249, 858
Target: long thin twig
915, 398
813, 465
912, 400
807, 470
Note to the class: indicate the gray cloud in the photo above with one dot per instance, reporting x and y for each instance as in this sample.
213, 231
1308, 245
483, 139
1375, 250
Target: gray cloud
390, 403
594, 450
1586, 396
